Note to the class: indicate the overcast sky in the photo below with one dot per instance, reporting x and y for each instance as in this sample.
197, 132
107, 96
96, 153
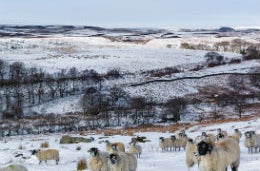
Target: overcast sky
132, 13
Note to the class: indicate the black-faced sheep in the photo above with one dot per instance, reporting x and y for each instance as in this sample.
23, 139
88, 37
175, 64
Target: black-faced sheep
130, 158
98, 160
178, 143
221, 134
204, 135
252, 141
118, 162
165, 144
14, 167
218, 156
135, 149
49, 154
119, 145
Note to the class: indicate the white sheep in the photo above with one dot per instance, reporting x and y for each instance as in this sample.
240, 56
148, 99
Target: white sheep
130, 158
204, 135
252, 141
236, 135
14, 167
165, 144
218, 156
221, 134
135, 149
119, 145
98, 160
179, 142
191, 159
118, 162
49, 154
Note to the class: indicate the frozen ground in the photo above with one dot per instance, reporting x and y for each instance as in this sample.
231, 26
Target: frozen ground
152, 158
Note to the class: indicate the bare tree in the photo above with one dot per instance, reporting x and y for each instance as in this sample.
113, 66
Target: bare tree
174, 108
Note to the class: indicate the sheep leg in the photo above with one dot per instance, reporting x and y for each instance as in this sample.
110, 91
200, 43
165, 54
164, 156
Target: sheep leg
233, 168
40, 162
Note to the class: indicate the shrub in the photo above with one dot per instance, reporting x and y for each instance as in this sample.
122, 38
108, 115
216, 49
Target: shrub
234, 61
251, 53
45, 144
82, 164
214, 59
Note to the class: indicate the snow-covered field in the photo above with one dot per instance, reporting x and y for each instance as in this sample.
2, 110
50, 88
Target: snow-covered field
152, 159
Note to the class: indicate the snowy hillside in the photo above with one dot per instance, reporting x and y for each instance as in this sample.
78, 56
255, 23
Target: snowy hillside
152, 159
155, 64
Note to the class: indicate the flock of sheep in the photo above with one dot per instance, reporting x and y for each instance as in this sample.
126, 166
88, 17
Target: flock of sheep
115, 158
215, 152
208, 151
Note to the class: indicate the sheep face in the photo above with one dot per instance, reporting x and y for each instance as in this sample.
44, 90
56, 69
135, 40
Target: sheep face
113, 158
93, 151
190, 141
161, 138
34, 152
220, 136
203, 134
173, 138
204, 148
248, 134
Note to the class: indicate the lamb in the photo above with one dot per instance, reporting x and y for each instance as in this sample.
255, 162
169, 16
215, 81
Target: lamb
252, 141
165, 143
14, 167
135, 149
119, 145
218, 156
49, 154
98, 160
191, 159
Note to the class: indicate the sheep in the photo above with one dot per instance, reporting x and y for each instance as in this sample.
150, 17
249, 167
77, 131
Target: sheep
252, 141
165, 143
204, 135
14, 167
98, 160
236, 135
118, 162
135, 149
179, 142
130, 158
218, 156
191, 159
221, 134
49, 154
119, 145
139, 139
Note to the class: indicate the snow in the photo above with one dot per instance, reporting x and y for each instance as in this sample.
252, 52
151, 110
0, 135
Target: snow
152, 159
55, 53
